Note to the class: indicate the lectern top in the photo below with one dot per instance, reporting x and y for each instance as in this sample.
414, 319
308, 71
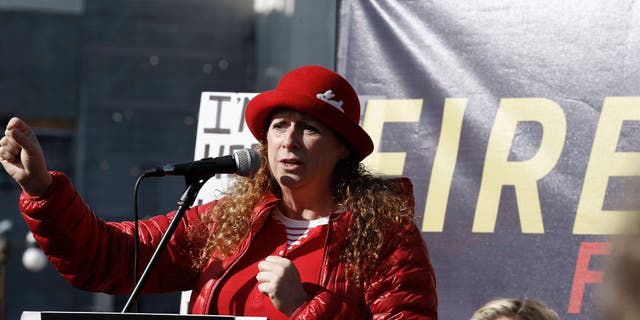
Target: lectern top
60, 315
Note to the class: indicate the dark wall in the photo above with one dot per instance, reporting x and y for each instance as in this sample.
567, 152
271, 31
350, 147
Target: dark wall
112, 92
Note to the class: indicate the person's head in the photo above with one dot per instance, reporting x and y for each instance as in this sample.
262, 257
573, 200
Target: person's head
302, 151
514, 309
619, 295
309, 123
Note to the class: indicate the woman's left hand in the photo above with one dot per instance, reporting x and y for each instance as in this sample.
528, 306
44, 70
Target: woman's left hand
279, 279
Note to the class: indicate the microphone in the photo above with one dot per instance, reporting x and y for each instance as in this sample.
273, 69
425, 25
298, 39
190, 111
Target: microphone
243, 162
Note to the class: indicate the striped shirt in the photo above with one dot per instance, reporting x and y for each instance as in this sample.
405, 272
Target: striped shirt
298, 230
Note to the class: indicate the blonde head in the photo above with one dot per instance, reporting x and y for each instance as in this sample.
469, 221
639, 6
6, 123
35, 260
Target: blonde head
513, 309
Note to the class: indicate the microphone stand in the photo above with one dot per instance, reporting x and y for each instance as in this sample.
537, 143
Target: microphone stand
194, 183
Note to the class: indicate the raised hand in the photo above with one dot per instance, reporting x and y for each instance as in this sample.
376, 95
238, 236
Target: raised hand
22, 158
279, 279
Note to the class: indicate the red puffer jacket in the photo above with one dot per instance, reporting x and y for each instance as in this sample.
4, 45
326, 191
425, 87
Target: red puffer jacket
97, 256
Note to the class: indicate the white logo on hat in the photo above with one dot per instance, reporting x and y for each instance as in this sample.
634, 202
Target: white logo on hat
327, 96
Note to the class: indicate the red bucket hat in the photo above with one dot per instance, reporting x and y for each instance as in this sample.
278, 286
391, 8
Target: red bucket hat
320, 93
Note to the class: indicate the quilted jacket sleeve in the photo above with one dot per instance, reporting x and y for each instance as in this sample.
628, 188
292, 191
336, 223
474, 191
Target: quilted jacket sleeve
96, 255
404, 286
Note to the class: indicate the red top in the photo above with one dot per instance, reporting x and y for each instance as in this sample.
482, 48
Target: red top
240, 294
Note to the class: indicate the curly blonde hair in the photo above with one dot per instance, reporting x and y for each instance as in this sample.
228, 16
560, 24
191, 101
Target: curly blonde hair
378, 206
515, 309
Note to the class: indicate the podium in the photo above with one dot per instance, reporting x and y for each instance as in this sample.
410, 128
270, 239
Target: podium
60, 315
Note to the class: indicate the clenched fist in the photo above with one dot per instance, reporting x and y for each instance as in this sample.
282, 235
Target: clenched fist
280, 280
22, 158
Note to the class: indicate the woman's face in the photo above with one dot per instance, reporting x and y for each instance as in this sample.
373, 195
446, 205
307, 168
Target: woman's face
302, 151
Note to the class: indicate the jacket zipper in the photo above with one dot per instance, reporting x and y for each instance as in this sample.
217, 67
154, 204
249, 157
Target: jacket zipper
323, 279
